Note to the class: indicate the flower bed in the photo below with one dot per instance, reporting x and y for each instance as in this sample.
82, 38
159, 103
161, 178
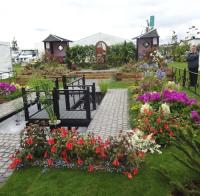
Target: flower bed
66, 148
9, 91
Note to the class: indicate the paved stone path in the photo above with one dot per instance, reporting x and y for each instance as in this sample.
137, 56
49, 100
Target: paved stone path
8, 144
112, 114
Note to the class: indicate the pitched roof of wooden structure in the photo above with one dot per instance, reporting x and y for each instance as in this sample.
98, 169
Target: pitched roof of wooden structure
55, 38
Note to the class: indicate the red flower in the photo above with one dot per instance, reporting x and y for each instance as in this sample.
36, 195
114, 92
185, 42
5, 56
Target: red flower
115, 163
64, 133
90, 168
80, 141
129, 176
135, 171
50, 162
29, 156
29, 141
46, 154
171, 133
166, 126
158, 120
161, 131
69, 145
141, 154
146, 120
51, 141
98, 150
79, 162
53, 149
15, 163
93, 141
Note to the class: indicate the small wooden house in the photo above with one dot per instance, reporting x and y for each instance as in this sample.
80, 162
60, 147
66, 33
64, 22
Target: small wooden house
146, 43
55, 47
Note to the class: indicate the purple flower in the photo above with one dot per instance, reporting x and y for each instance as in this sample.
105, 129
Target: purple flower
174, 96
194, 114
197, 122
6, 88
149, 96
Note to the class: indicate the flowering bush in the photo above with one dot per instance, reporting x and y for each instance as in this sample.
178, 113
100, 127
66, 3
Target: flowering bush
165, 109
160, 125
67, 148
171, 86
195, 117
6, 88
156, 57
145, 108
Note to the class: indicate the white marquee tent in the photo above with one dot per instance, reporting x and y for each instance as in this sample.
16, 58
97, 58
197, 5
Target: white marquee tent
5, 59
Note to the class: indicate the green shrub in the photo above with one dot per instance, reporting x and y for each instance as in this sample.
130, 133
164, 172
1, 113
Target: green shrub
103, 85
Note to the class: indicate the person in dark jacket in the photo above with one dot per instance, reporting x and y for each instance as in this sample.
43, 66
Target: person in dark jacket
193, 65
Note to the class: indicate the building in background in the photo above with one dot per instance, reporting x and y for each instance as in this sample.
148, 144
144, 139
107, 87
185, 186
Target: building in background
146, 43
55, 47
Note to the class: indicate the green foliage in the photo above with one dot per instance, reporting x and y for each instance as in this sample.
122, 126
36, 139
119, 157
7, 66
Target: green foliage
103, 85
38, 83
121, 53
81, 54
189, 145
116, 54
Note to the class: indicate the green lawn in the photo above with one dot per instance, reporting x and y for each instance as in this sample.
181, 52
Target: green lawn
178, 64
119, 84
73, 182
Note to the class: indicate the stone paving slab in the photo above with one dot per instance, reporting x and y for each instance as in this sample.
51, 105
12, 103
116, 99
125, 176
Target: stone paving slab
8, 144
112, 114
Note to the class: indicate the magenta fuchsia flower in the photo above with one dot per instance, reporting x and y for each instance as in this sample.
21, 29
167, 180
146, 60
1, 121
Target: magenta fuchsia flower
174, 96
6, 88
195, 116
149, 96
167, 96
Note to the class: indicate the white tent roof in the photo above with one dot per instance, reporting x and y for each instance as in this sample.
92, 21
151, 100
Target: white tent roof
93, 39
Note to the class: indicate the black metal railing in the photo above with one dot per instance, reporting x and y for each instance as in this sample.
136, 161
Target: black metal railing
183, 77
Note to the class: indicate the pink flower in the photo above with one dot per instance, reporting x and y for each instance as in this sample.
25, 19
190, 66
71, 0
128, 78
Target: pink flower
129, 176
69, 145
79, 162
53, 149
135, 171
46, 154
29, 156
51, 141
98, 150
80, 141
115, 163
90, 168
29, 141
50, 162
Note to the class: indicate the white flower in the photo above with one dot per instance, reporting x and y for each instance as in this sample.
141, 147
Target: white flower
145, 108
165, 108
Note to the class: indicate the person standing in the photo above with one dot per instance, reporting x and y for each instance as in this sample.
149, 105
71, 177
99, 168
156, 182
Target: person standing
193, 65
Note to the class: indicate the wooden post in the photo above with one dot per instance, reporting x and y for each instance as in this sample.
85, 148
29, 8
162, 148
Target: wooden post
56, 103
57, 83
184, 77
38, 100
87, 103
93, 96
25, 103
83, 80
64, 80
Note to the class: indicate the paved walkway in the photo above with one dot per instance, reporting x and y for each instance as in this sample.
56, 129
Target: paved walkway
8, 144
112, 114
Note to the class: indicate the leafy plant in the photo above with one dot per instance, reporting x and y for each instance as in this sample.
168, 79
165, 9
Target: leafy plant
103, 85
189, 145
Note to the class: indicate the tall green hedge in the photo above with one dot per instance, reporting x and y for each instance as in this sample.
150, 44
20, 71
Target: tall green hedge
116, 54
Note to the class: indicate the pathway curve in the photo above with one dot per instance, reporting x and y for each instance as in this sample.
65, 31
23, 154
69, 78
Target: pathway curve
112, 114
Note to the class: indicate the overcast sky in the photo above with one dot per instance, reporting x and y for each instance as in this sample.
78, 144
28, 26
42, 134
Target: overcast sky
30, 21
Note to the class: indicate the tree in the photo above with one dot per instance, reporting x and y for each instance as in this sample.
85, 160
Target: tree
14, 45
